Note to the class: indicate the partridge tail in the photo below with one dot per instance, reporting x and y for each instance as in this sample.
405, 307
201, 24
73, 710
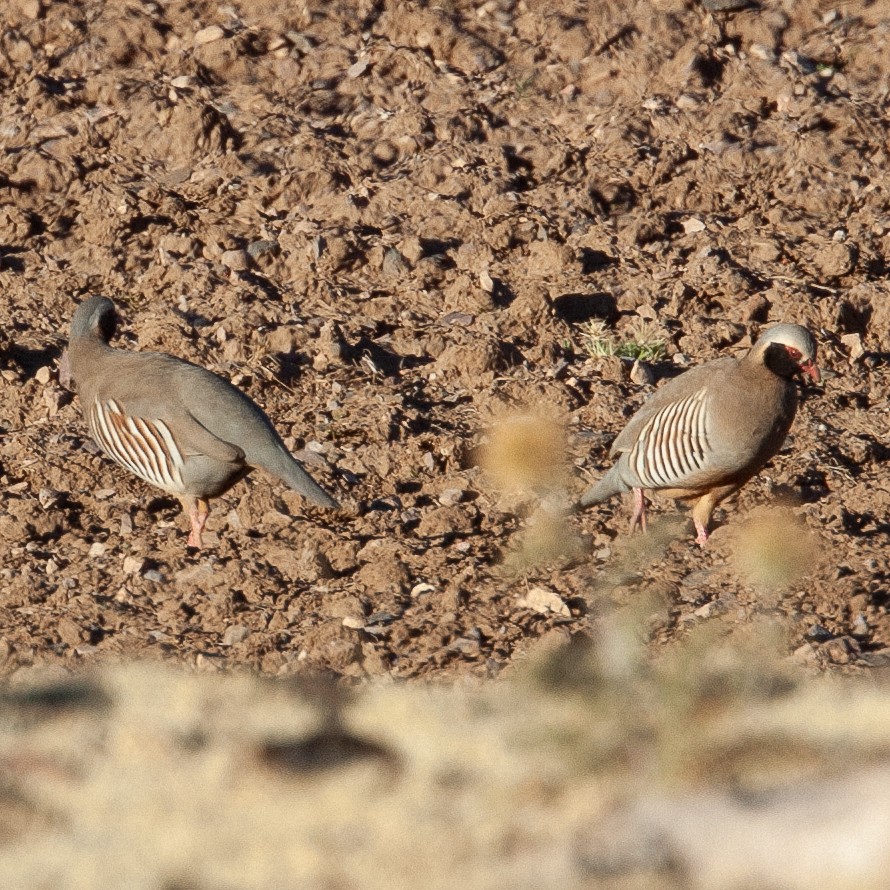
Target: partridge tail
610, 485
292, 473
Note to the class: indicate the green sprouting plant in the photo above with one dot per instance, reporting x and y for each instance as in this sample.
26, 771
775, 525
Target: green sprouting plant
645, 341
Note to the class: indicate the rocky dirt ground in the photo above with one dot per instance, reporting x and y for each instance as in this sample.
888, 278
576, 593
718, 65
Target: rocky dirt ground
402, 227
395, 225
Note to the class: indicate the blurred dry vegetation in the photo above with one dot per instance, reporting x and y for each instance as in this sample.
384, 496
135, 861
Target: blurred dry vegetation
717, 767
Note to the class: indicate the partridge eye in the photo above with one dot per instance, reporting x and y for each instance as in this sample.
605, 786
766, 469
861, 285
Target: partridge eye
794, 353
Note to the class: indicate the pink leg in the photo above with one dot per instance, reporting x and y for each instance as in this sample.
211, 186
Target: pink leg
702, 537
65, 370
198, 512
639, 514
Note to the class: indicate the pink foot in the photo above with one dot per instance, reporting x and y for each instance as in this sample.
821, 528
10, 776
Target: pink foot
65, 370
639, 514
198, 516
702, 537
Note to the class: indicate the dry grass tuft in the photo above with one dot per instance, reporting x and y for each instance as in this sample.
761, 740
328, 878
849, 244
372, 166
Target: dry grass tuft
773, 548
526, 453
546, 537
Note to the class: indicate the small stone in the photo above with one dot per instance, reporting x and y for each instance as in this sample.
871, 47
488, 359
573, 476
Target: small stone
181, 82
48, 497
540, 600
465, 646
641, 374
860, 626
354, 623
85, 649
194, 574
762, 51
358, 69
819, 634
126, 524
393, 263
209, 35
853, 342
133, 565
260, 247
30, 8
43, 375
234, 634
451, 496
154, 575
236, 260
69, 632
835, 259
693, 225
97, 548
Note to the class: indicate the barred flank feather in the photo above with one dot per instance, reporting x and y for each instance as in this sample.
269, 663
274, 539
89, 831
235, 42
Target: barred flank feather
673, 445
145, 447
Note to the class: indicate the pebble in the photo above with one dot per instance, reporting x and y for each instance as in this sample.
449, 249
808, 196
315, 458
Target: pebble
236, 260
97, 548
541, 600
763, 52
48, 497
393, 264
853, 342
43, 375
641, 373
709, 610
133, 565
819, 634
258, 248
209, 35
235, 633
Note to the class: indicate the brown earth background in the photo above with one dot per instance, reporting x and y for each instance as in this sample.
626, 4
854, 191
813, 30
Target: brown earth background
396, 225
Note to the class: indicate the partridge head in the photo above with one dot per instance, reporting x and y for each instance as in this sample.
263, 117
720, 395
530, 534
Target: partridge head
704, 434
174, 424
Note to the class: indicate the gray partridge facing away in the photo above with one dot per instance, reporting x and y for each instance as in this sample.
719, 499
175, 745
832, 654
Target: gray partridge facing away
172, 423
704, 434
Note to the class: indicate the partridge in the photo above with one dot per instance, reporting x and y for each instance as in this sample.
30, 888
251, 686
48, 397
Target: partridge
174, 424
704, 434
